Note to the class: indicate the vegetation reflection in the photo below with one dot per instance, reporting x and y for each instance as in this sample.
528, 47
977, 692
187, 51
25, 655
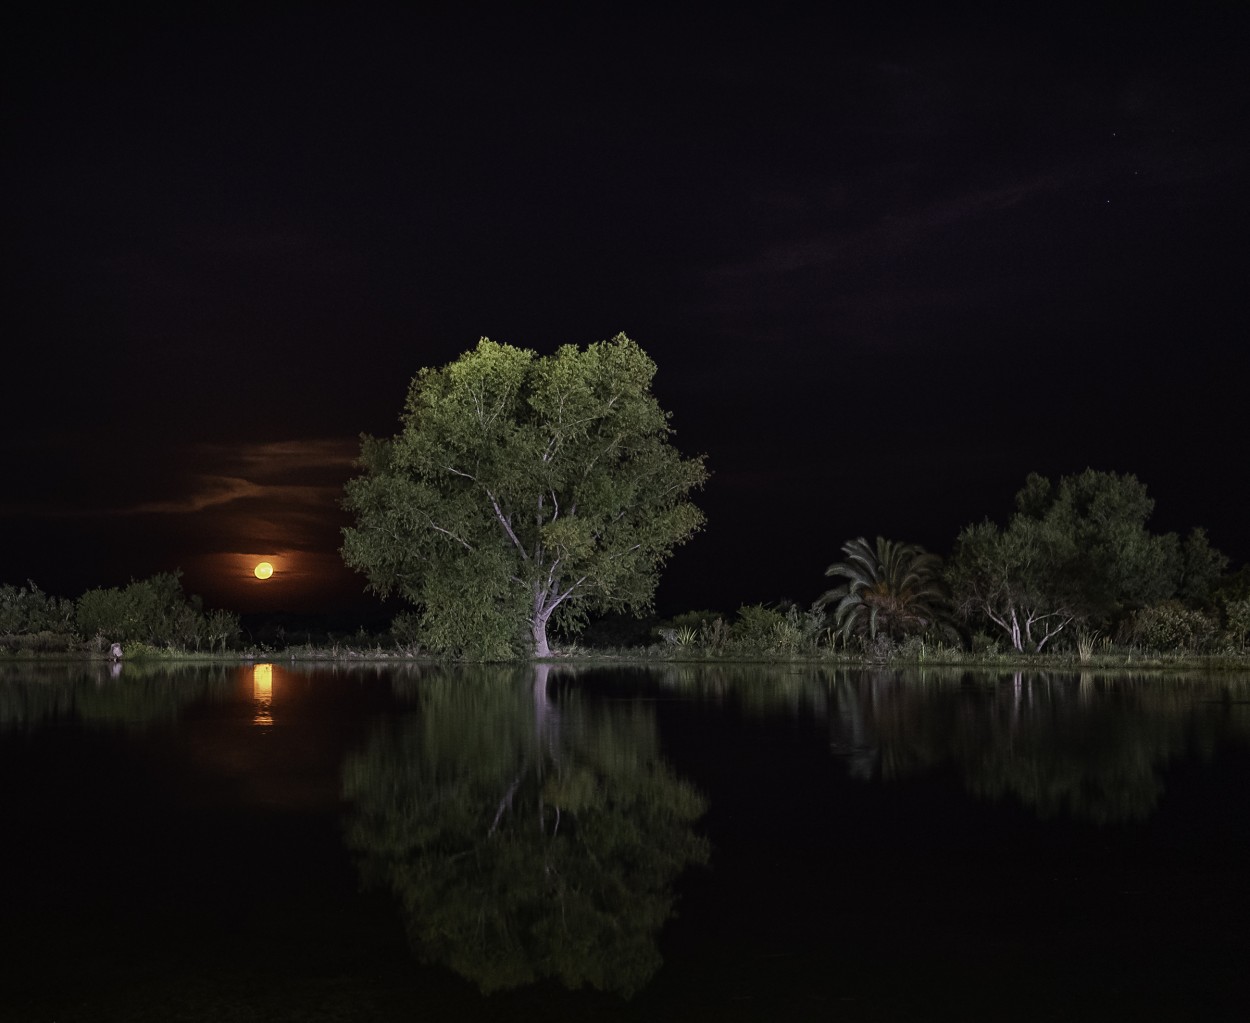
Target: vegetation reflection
1062, 745
1088, 746
525, 837
97, 693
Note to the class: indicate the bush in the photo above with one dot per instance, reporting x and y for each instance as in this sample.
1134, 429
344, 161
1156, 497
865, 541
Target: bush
156, 612
1237, 622
771, 630
1171, 626
985, 644
38, 642
26, 610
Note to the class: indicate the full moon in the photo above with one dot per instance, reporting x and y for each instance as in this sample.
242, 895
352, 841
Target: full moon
264, 570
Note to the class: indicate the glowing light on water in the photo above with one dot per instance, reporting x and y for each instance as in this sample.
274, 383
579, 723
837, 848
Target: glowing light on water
262, 693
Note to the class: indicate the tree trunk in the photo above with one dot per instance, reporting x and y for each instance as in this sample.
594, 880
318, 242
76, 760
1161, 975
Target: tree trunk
541, 649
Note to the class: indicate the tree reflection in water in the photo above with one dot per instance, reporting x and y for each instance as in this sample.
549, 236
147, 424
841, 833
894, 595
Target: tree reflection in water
134, 695
525, 838
1061, 745
1093, 747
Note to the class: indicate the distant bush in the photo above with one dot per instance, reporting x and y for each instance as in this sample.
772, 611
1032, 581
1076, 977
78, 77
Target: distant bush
1171, 626
685, 629
1237, 622
27, 610
38, 642
776, 630
406, 629
156, 612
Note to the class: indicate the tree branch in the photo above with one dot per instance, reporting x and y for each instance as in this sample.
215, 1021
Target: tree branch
447, 532
507, 526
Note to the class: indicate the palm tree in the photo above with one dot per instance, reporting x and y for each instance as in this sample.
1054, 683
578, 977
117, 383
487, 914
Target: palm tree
895, 590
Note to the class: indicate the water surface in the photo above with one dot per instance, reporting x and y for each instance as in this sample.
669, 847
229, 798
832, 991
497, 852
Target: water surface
269, 842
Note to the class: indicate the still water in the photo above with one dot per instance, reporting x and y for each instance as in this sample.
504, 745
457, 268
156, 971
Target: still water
270, 842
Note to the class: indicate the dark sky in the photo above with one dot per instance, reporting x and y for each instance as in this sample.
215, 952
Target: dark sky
886, 268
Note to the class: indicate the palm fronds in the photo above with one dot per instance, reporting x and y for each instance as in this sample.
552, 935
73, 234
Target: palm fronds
892, 589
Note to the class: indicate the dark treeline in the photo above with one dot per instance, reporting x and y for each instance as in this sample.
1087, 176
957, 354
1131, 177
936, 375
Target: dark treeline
1076, 558
1074, 571
149, 613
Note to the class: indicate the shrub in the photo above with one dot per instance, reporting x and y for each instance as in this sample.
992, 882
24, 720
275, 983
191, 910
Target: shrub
714, 634
26, 610
1237, 622
406, 629
771, 630
1171, 626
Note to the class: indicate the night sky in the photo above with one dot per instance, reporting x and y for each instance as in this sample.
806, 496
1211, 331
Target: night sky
886, 268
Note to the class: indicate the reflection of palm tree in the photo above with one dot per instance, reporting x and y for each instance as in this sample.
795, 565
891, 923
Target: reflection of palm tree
894, 589
525, 839
1062, 747
851, 736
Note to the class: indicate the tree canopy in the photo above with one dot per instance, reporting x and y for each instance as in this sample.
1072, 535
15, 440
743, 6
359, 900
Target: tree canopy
1075, 551
523, 487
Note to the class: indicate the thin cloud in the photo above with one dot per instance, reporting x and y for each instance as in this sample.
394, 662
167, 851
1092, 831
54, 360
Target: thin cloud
301, 477
292, 473
833, 248
215, 491
304, 477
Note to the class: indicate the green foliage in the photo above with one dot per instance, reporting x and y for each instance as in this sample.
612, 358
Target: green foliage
406, 629
759, 628
781, 630
1009, 578
154, 612
1170, 626
1096, 525
1076, 551
522, 487
714, 634
27, 610
103, 612
42, 642
893, 589
1237, 622
1233, 586
220, 630
686, 629
1201, 568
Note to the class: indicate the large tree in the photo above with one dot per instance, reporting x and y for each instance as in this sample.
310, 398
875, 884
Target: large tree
520, 487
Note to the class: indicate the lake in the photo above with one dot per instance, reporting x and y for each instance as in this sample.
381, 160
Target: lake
280, 842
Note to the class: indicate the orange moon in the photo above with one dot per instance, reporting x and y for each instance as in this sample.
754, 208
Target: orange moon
263, 571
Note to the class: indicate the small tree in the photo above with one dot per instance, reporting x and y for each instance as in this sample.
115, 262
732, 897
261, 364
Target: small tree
1237, 622
221, 628
521, 487
1201, 567
154, 611
895, 589
1074, 551
27, 609
1012, 578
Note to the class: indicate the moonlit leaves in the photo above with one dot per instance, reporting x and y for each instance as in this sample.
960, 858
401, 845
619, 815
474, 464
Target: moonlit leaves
550, 480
